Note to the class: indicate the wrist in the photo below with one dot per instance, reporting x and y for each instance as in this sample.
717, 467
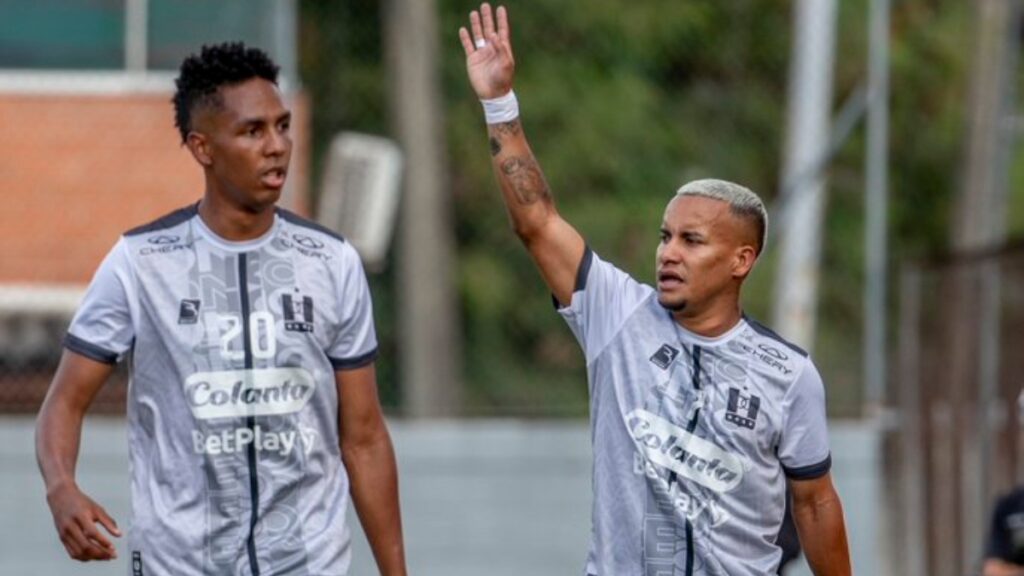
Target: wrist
501, 109
58, 486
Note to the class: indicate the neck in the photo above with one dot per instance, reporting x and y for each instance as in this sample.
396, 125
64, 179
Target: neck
712, 322
234, 223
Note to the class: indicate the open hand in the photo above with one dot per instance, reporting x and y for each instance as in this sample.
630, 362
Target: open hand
76, 516
489, 61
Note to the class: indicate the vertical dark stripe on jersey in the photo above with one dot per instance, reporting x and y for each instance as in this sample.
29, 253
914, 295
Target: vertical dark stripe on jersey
690, 428
254, 485
696, 386
289, 310
689, 548
307, 309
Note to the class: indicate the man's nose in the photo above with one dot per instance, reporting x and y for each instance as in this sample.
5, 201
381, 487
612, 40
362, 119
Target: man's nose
277, 143
669, 253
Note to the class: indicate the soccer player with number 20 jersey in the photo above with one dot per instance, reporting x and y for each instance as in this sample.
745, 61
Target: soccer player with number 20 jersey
252, 406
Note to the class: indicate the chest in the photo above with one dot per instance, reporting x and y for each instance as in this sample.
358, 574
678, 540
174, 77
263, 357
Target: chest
236, 310
719, 394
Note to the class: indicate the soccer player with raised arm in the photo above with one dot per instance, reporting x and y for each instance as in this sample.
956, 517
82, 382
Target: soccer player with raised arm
700, 416
252, 405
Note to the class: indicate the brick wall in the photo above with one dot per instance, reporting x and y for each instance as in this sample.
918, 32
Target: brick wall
76, 171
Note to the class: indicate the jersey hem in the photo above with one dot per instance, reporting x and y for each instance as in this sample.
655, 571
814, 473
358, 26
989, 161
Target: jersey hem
584, 270
809, 472
581, 278
89, 350
352, 363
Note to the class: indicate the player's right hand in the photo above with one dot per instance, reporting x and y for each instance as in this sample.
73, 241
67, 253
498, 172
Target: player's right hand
76, 516
489, 60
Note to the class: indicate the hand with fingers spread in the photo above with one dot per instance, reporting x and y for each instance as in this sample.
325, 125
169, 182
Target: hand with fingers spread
489, 60
76, 517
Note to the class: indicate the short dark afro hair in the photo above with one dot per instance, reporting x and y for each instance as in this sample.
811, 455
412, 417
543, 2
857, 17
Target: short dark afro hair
216, 65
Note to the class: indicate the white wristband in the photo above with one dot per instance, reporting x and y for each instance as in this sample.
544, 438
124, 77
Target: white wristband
502, 109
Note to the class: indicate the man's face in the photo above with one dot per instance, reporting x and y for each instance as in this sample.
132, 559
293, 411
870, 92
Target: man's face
246, 144
704, 253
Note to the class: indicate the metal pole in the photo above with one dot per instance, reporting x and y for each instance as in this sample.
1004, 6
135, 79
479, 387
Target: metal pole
980, 222
135, 35
428, 315
284, 31
992, 406
910, 551
810, 101
876, 231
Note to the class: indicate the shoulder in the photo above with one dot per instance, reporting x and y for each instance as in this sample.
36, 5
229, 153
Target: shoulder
1012, 502
316, 241
316, 231
773, 357
163, 236
166, 222
770, 337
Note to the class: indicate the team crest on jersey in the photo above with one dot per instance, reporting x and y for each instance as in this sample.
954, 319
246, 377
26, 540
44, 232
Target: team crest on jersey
742, 408
188, 313
298, 313
664, 356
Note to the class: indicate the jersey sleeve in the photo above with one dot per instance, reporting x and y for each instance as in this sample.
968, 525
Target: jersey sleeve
803, 448
998, 546
102, 328
603, 299
355, 342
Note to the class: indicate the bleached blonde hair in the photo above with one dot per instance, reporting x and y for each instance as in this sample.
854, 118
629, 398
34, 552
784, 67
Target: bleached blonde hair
742, 201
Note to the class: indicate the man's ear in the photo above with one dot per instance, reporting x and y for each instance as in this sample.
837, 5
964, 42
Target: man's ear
743, 261
199, 146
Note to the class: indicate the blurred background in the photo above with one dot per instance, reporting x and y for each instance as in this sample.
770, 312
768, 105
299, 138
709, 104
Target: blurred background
883, 135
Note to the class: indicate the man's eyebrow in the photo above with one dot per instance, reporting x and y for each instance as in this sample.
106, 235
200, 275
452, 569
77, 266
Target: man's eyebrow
252, 121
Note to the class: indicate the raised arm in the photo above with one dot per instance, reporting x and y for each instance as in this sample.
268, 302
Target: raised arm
58, 434
556, 247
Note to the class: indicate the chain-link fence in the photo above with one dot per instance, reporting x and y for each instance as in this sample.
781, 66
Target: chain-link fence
957, 443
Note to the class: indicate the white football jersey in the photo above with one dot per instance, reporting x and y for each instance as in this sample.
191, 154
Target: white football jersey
693, 437
232, 403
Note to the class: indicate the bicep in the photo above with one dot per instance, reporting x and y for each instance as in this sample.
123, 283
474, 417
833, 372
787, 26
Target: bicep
77, 381
557, 249
810, 492
815, 503
359, 412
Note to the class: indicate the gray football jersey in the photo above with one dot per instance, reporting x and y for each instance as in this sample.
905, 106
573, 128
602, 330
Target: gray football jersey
693, 437
232, 403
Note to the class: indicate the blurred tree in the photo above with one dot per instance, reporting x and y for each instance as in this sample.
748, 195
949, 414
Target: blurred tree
624, 101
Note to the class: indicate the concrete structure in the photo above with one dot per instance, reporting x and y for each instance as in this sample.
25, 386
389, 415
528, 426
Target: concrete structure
492, 497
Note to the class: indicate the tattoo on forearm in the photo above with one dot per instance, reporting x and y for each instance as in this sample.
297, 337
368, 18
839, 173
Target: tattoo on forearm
495, 146
526, 179
502, 129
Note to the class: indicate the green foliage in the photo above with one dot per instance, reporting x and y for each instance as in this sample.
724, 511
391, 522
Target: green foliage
624, 101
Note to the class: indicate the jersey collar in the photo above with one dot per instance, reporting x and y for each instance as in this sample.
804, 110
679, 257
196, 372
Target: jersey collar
693, 338
235, 246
